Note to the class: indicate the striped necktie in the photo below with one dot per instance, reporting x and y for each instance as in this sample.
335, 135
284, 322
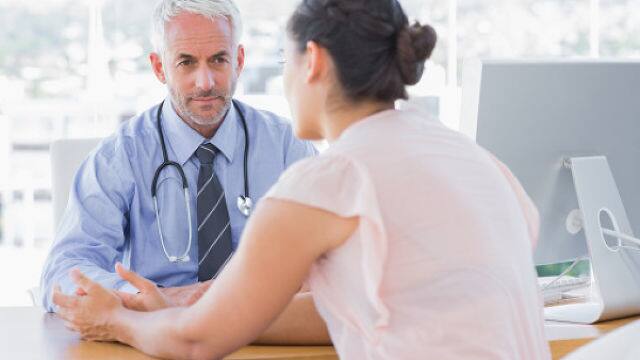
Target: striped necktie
214, 230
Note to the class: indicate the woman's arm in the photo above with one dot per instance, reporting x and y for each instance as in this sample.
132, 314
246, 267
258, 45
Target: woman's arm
280, 243
298, 324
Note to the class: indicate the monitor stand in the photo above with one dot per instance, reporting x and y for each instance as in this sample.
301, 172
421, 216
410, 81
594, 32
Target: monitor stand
615, 265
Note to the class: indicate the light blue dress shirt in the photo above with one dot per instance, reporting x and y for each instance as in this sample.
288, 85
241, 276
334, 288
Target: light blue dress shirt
110, 216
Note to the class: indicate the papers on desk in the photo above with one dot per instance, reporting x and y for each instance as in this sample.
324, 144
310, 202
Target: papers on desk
556, 330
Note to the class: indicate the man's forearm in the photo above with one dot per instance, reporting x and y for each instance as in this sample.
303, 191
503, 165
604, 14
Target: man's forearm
299, 324
60, 276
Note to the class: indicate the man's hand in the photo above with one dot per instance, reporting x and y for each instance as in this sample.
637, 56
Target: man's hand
148, 299
92, 313
151, 298
185, 295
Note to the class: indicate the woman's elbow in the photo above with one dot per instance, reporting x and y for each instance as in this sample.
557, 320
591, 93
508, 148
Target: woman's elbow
195, 340
201, 351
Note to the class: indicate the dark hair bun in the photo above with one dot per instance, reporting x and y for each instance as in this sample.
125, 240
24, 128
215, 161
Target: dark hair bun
376, 52
415, 44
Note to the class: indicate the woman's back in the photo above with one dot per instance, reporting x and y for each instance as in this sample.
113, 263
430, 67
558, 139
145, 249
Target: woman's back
440, 266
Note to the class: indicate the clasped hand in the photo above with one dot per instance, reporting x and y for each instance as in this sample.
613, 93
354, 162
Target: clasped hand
93, 309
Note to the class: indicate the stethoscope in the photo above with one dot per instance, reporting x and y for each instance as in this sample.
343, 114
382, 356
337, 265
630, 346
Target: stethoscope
244, 202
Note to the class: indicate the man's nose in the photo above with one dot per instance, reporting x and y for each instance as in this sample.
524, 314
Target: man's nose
204, 79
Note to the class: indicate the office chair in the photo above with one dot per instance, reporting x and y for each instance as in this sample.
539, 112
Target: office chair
66, 157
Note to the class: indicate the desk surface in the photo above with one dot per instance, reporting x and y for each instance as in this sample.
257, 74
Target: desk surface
560, 348
29, 333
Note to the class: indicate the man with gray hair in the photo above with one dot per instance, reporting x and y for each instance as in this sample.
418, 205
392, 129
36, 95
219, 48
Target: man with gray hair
170, 192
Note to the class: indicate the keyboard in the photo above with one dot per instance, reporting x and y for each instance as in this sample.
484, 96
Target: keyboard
557, 291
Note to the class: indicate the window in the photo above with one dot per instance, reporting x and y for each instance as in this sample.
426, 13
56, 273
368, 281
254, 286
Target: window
71, 69
619, 26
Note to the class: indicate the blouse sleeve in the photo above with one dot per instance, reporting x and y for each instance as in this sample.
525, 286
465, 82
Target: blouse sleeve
528, 207
341, 185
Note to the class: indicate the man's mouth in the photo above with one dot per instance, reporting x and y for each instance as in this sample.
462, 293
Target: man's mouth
205, 99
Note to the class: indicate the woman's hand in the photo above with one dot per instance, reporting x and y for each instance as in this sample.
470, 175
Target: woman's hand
92, 314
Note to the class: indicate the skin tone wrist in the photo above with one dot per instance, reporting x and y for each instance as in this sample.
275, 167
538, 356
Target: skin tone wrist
118, 326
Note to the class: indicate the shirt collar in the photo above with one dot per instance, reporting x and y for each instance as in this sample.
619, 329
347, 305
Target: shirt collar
184, 140
225, 138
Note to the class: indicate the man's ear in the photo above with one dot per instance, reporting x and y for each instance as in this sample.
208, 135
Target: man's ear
316, 61
239, 59
156, 65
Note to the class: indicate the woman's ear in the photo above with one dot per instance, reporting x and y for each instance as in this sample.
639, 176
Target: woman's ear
316, 61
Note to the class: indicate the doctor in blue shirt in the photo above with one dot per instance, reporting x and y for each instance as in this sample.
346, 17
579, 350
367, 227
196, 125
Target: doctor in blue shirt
230, 154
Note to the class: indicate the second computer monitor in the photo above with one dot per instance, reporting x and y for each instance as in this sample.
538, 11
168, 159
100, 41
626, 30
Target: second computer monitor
534, 115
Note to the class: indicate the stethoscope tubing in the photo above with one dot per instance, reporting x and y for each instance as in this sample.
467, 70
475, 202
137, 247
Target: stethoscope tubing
167, 163
246, 200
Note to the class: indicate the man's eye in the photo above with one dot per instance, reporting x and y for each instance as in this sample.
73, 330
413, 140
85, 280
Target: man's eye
220, 60
185, 63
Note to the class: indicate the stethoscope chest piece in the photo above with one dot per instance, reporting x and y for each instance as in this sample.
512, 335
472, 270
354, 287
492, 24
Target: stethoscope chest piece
245, 205
175, 259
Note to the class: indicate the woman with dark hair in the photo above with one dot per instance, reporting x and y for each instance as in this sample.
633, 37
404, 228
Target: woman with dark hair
415, 242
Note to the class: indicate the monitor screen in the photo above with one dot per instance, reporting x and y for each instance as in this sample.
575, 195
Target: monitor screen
533, 115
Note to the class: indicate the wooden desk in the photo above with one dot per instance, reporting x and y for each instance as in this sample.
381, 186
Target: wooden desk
560, 348
30, 333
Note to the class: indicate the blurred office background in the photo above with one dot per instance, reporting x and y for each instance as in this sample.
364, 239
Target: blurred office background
78, 68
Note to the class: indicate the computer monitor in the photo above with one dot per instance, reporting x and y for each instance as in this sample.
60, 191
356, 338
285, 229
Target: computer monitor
534, 115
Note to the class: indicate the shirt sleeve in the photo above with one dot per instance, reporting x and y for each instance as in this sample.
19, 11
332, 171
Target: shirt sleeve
91, 235
297, 149
343, 186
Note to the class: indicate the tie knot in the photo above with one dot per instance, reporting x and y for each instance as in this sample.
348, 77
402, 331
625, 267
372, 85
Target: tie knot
206, 153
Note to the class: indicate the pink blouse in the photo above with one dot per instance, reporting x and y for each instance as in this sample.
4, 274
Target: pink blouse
440, 266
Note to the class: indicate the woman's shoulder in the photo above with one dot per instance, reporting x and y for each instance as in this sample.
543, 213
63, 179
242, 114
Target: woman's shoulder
333, 181
330, 166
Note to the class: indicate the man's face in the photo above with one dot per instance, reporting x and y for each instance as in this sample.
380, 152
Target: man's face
200, 65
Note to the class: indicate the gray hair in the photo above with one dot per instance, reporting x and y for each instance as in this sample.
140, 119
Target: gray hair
213, 9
